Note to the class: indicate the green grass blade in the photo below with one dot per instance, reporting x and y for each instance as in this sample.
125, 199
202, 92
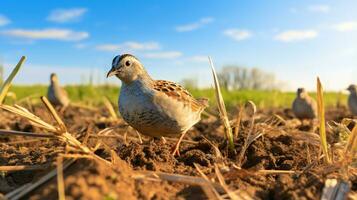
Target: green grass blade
7, 84
321, 114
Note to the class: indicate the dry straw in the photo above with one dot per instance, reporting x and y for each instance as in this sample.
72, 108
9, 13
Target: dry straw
321, 114
60, 179
59, 131
250, 109
222, 108
111, 110
351, 147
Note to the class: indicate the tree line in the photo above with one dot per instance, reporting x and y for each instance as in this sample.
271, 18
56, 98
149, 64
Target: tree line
241, 78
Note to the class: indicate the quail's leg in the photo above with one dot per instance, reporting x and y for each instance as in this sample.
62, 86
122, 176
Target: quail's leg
176, 150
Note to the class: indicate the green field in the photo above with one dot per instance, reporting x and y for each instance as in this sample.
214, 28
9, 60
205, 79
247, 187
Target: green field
93, 95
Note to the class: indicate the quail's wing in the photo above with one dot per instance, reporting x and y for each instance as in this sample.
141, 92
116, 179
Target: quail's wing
179, 93
64, 92
63, 96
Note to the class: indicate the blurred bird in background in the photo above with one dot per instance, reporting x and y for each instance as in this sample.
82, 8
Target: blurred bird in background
56, 94
304, 107
352, 99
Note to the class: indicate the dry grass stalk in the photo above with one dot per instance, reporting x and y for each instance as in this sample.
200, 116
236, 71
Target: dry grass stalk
249, 140
23, 168
86, 138
237, 122
177, 178
36, 121
54, 114
217, 152
222, 108
351, 147
68, 138
221, 180
77, 156
6, 86
114, 157
23, 191
28, 134
110, 108
280, 119
208, 188
308, 155
321, 115
59, 132
29, 104
60, 179
250, 109
263, 171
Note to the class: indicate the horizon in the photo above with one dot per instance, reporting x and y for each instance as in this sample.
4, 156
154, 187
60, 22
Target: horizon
111, 84
296, 41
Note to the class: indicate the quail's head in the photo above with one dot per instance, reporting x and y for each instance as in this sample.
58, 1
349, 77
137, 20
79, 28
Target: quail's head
127, 68
301, 92
352, 88
53, 78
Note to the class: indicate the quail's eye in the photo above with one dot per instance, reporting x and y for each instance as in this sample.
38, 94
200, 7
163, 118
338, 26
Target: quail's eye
127, 63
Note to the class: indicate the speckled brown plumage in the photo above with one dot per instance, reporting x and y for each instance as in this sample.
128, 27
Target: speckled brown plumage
154, 107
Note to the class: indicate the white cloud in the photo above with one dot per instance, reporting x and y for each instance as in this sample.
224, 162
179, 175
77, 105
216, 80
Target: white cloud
4, 20
80, 46
195, 25
129, 46
66, 15
319, 8
346, 26
108, 47
163, 55
296, 35
142, 46
46, 34
198, 59
238, 34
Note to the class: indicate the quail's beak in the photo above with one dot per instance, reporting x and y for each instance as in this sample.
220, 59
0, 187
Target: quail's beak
112, 72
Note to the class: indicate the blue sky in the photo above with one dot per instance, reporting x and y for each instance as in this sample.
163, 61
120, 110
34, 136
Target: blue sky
296, 40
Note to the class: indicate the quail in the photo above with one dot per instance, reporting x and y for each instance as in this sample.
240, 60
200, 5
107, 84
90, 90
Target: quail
155, 108
352, 99
56, 94
304, 107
